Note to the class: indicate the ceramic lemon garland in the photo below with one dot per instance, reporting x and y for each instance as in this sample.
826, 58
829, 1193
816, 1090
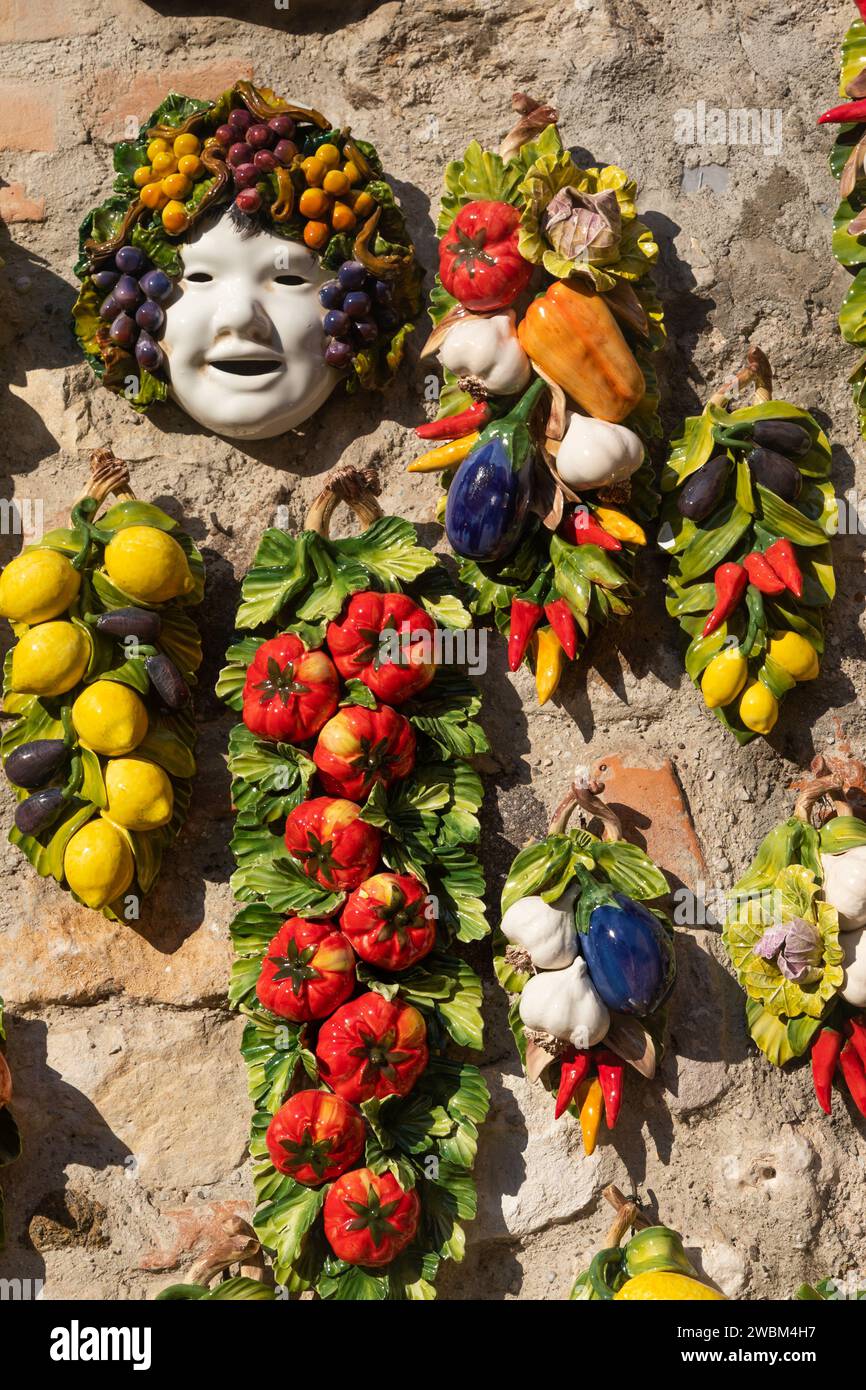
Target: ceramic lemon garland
548, 404
747, 521
99, 752
356, 849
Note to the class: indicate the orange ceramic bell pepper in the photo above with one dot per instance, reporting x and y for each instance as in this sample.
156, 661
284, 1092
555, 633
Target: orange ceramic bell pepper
574, 338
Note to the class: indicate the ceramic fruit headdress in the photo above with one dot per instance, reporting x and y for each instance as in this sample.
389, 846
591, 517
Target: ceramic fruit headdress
285, 169
545, 507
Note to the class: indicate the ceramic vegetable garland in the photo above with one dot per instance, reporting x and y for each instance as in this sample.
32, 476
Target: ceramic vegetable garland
795, 934
10, 1139
356, 849
100, 753
207, 273
651, 1267
849, 222
547, 404
588, 964
747, 521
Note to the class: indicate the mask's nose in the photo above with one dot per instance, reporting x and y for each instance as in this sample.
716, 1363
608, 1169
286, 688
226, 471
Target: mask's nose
240, 311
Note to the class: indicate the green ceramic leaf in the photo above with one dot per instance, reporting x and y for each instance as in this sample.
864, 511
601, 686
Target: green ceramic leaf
630, 869
841, 834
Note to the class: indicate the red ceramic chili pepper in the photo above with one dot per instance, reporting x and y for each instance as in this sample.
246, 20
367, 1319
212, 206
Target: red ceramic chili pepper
475, 417
861, 6
852, 111
731, 581
526, 611
855, 1028
559, 615
580, 528
762, 574
611, 1070
782, 557
825, 1056
854, 1073
575, 1068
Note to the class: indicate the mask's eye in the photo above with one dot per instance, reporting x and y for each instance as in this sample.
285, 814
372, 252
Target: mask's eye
289, 280
199, 277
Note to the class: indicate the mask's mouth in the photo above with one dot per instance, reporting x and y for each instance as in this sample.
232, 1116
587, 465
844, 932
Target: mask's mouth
247, 366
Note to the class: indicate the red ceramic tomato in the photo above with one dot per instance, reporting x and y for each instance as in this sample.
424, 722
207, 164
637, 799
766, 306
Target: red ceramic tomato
307, 972
386, 641
290, 691
360, 747
479, 262
389, 922
315, 1137
370, 1218
331, 843
372, 1047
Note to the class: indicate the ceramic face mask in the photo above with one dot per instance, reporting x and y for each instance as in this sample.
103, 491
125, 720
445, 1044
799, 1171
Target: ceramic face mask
250, 258
243, 337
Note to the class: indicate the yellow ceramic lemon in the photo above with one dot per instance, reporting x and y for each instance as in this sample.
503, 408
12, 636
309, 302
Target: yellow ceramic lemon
148, 564
37, 586
759, 708
98, 863
140, 794
724, 678
50, 659
659, 1286
110, 718
795, 655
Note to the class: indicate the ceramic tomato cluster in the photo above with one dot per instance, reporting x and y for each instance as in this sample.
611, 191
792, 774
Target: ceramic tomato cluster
368, 1047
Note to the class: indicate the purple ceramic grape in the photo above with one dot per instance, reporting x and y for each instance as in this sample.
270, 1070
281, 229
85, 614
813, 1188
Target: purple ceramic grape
239, 118
357, 304
150, 316
336, 324
156, 285
105, 280
239, 153
249, 200
338, 354
367, 330
109, 308
265, 161
352, 275
331, 295
127, 293
382, 292
260, 137
130, 261
123, 331
148, 354
246, 175
282, 126
226, 135
285, 151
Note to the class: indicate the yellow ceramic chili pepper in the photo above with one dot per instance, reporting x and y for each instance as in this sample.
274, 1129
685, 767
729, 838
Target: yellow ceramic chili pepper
445, 455
549, 661
591, 1107
620, 526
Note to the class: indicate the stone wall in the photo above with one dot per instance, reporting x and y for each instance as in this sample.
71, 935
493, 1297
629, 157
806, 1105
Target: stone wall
129, 1087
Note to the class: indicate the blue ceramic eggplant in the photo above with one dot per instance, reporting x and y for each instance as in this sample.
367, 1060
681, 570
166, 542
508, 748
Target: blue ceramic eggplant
629, 955
488, 500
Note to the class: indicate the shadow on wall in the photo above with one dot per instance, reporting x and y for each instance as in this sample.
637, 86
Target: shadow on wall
292, 16
59, 1127
35, 334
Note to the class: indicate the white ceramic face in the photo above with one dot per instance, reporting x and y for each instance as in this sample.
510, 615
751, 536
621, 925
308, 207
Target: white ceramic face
243, 333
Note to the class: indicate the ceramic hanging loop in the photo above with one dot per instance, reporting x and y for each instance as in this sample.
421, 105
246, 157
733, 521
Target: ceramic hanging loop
757, 373
357, 487
586, 793
834, 779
